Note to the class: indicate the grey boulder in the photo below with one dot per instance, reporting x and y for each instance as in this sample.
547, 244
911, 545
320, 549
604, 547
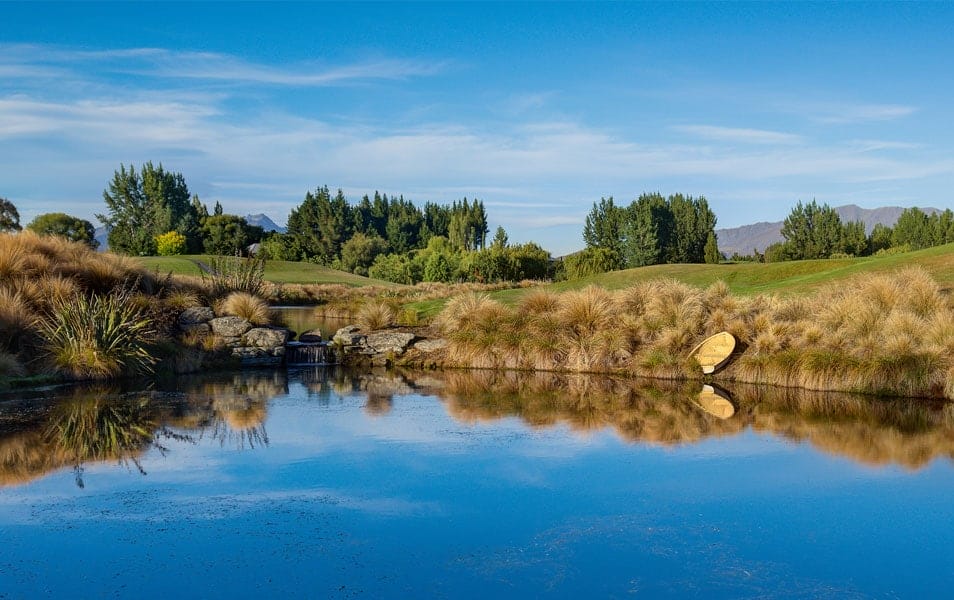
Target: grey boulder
228, 327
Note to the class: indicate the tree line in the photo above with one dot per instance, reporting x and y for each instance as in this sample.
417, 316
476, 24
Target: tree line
816, 231
652, 229
391, 238
59, 224
327, 228
151, 211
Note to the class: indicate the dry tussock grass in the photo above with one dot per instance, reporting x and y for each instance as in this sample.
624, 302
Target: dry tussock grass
251, 308
375, 314
888, 334
342, 301
44, 278
10, 366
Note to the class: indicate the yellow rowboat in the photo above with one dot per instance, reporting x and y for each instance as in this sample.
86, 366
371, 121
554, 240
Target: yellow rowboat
715, 401
713, 352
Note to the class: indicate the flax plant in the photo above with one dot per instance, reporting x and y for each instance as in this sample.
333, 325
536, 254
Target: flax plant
98, 337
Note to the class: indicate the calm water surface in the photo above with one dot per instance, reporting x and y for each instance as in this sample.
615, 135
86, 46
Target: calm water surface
322, 483
304, 318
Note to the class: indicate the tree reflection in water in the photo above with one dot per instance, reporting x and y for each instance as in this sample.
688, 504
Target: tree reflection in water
103, 424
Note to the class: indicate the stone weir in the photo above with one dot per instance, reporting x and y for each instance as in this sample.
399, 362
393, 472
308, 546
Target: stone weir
310, 349
255, 346
382, 348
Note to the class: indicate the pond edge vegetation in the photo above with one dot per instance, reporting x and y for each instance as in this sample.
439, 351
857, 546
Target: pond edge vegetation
888, 334
72, 313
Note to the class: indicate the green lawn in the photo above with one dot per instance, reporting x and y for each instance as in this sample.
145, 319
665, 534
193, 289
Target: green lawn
277, 271
794, 277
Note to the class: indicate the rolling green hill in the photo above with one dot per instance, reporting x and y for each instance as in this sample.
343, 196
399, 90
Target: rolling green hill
794, 277
276, 271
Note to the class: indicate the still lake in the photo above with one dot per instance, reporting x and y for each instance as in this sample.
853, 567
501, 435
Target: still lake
326, 483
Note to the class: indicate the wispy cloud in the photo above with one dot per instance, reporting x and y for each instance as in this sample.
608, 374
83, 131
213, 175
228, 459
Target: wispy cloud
454, 157
226, 68
880, 145
837, 114
542, 169
739, 135
27, 61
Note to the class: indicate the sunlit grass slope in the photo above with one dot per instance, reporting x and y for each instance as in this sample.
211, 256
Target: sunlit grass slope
276, 271
786, 278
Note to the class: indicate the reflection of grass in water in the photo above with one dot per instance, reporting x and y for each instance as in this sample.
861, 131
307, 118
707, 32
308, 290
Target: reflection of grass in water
241, 421
238, 404
660, 413
93, 428
869, 430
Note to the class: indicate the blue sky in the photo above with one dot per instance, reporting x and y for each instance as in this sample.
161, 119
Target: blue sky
537, 109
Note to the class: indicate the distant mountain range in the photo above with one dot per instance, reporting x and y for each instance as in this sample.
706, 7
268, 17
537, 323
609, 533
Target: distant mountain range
759, 236
260, 220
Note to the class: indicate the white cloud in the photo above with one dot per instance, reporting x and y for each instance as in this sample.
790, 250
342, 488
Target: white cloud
740, 135
879, 145
838, 114
60, 145
27, 61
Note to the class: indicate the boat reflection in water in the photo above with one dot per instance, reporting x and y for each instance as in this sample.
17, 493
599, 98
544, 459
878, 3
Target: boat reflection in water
48, 431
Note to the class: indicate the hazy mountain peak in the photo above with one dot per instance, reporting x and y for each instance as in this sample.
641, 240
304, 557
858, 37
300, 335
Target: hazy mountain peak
262, 220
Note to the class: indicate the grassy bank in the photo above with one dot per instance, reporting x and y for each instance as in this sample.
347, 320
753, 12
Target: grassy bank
276, 271
890, 334
67, 312
792, 277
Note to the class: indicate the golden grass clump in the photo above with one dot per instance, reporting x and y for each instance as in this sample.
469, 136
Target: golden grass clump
16, 319
75, 311
11, 257
467, 309
180, 300
375, 315
539, 302
585, 312
251, 308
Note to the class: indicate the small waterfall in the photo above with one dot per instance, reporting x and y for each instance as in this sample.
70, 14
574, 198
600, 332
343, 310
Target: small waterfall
309, 353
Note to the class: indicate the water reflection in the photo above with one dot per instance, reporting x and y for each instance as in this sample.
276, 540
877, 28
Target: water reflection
906, 432
232, 408
81, 425
88, 424
48, 431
